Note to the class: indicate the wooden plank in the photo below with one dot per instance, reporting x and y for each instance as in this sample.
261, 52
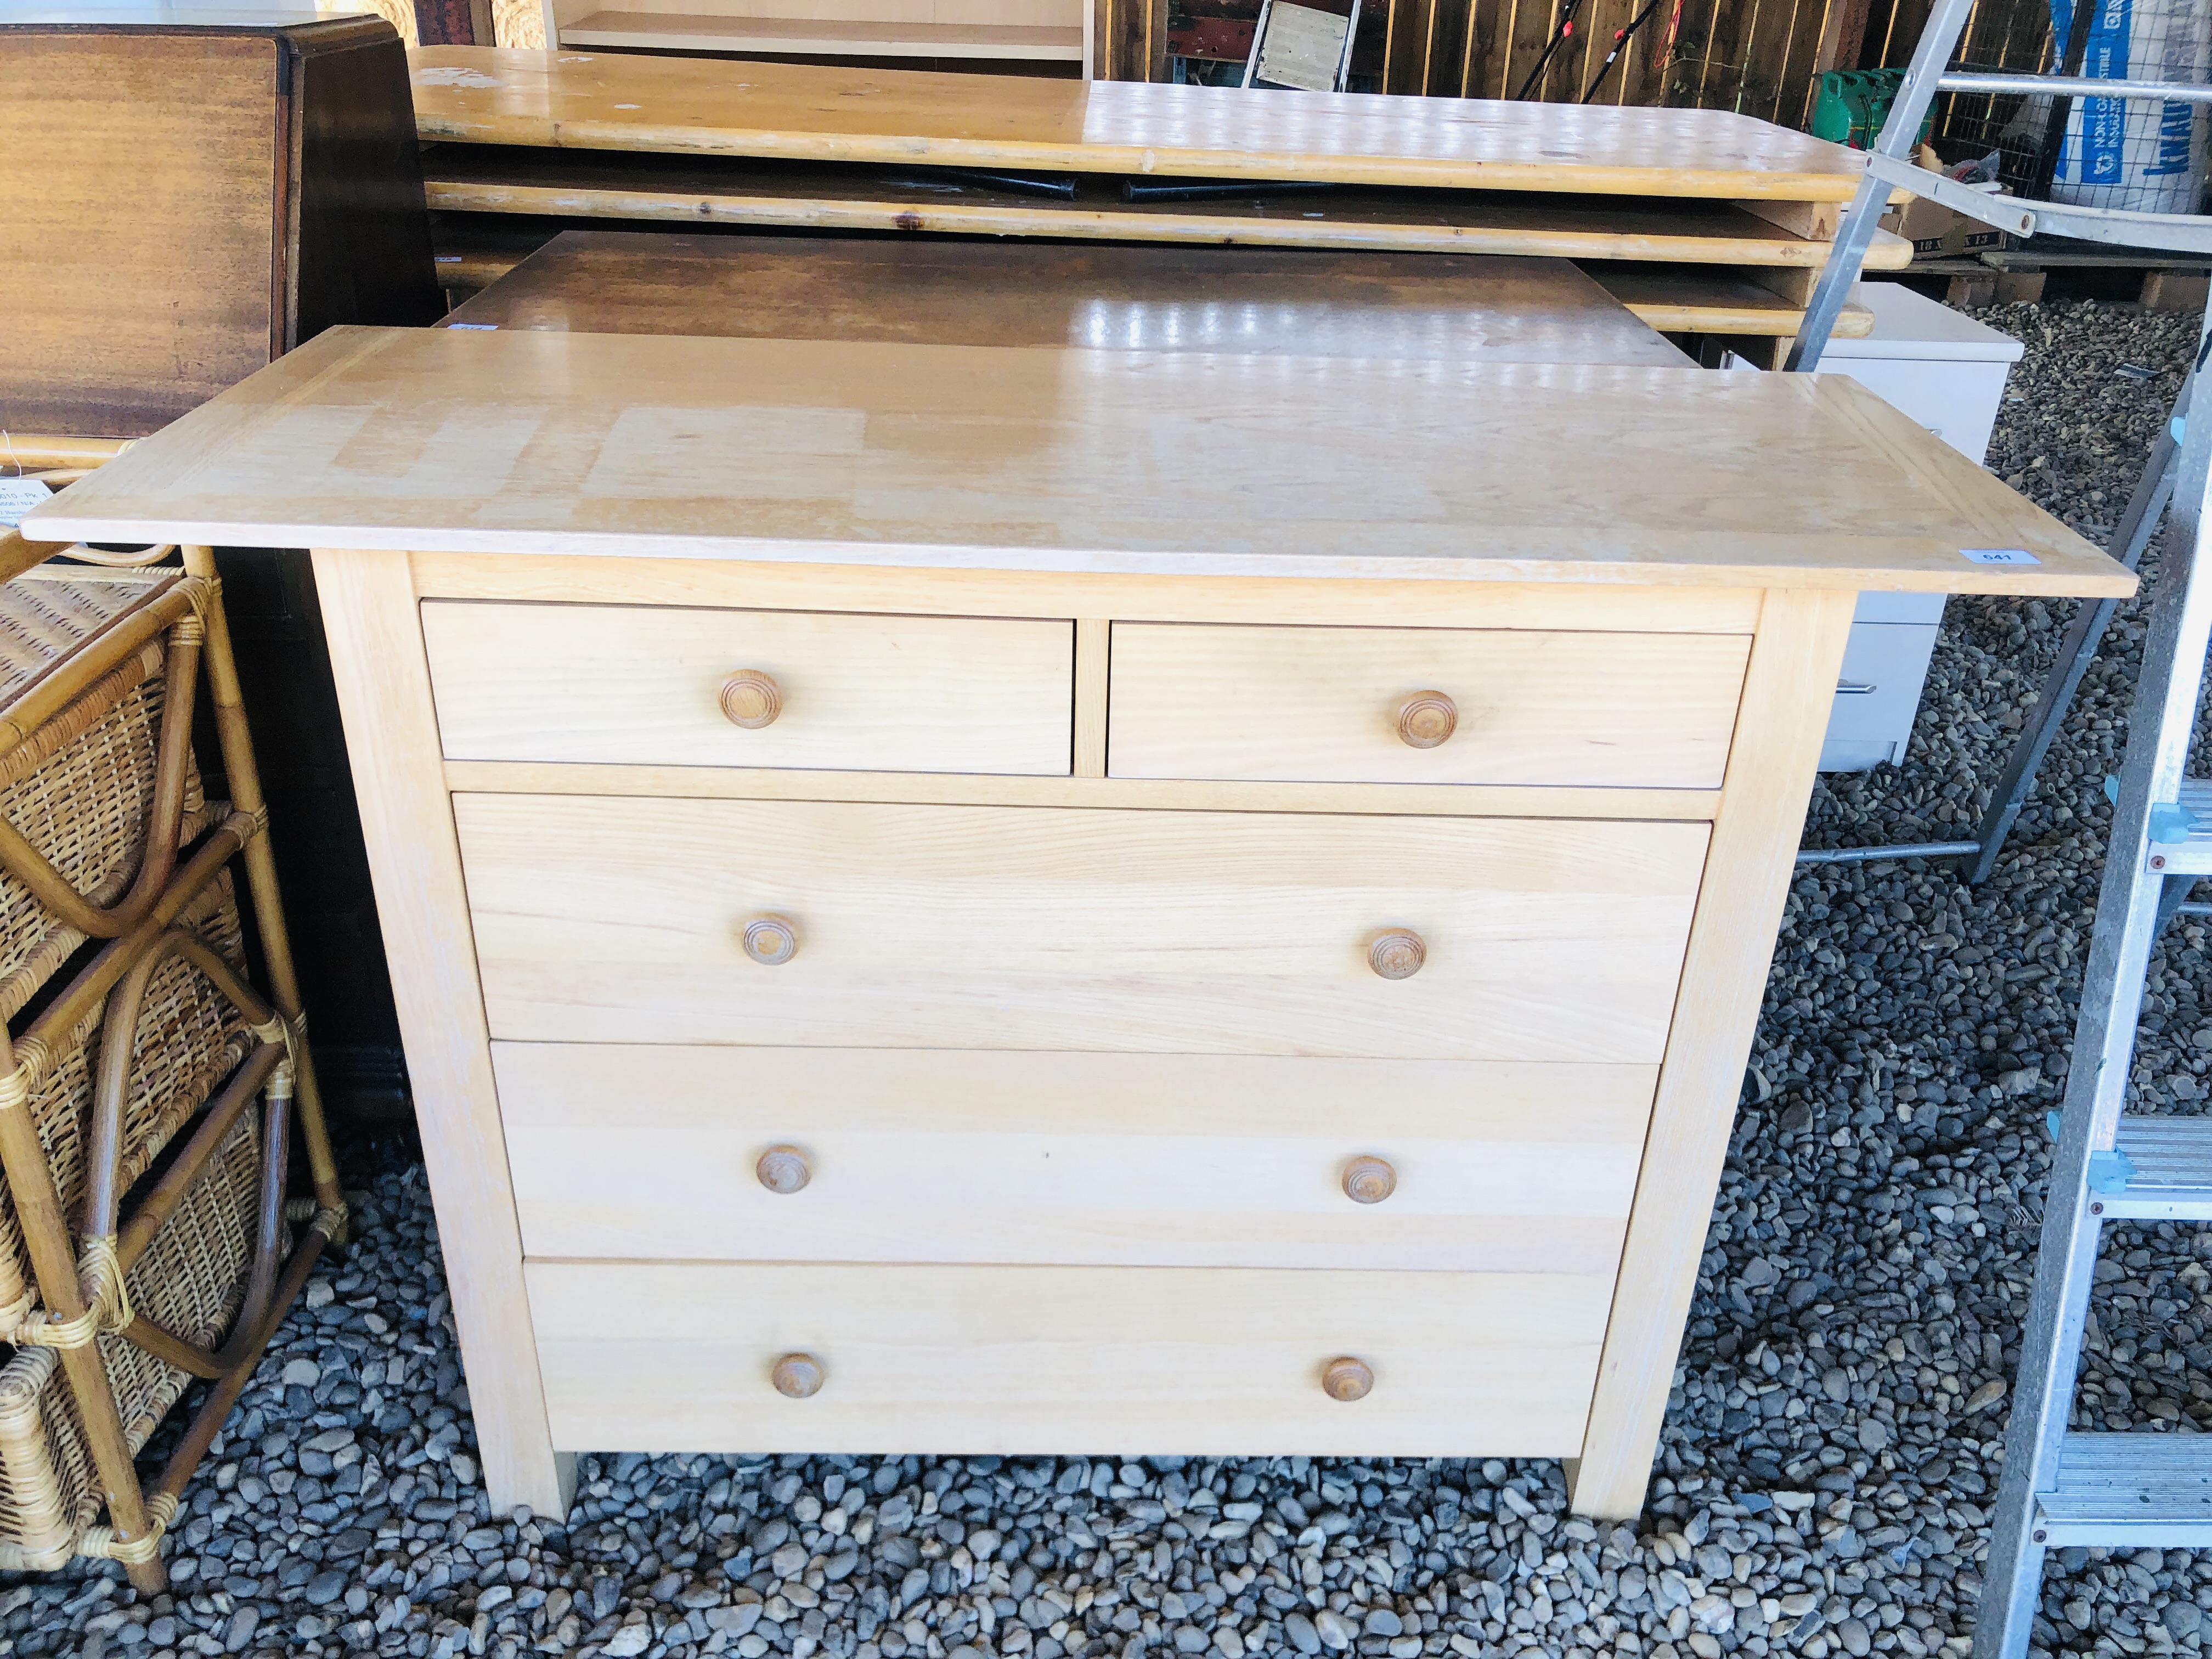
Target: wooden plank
553, 580
806, 112
639, 684
1174, 795
1481, 57
1680, 299
1108, 296
691, 192
1129, 1360
1794, 287
1324, 705
932, 926
1184, 1160
368, 607
109, 332
665, 31
1786, 706
1816, 222
630, 444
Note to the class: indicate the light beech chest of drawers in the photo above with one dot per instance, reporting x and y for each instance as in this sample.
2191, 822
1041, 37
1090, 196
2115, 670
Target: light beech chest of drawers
958, 900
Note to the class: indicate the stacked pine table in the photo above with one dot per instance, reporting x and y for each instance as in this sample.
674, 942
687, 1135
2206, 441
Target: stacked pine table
1700, 222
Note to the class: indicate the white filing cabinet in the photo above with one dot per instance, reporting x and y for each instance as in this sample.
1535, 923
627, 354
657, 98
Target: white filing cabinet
1948, 372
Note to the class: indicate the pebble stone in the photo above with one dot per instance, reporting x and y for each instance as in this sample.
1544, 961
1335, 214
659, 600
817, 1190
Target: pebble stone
1832, 1435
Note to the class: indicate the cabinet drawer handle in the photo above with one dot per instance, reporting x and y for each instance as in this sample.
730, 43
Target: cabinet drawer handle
1397, 954
751, 699
797, 1375
772, 940
1368, 1180
1346, 1379
1426, 719
783, 1169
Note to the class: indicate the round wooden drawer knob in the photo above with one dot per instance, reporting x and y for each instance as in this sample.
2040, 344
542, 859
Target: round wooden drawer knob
1397, 954
783, 1169
797, 1375
1346, 1379
772, 941
1424, 720
752, 699
1366, 1180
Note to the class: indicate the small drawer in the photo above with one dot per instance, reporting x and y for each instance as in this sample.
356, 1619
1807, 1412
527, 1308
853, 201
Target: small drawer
745, 1356
827, 690
850, 924
635, 1151
1420, 705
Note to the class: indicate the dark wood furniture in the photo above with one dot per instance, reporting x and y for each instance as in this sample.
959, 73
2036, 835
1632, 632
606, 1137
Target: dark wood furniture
187, 203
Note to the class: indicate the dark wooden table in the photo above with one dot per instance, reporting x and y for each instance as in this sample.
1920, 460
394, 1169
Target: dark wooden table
1109, 296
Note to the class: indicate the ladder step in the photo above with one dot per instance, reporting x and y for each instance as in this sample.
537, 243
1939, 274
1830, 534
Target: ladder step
2193, 855
2128, 1489
2168, 1170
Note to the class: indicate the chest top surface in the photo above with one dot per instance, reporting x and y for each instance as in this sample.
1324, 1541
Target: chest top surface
842, 112
971, 456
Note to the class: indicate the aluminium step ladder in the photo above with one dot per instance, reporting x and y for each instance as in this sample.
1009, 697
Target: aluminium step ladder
2060, 1488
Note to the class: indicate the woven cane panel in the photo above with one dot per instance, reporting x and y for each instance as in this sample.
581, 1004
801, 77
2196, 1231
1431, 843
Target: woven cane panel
190, 1282
190, 1038
42, 621
192, 1279
85, 807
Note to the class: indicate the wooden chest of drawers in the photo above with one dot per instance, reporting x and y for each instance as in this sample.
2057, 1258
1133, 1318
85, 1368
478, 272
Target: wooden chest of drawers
906, 962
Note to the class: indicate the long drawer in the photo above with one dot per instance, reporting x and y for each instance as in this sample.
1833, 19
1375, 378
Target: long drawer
1193, 1160
683, 1357
846, 925
1423, 705
639, 684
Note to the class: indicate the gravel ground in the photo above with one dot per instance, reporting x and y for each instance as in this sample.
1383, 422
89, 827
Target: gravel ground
1834, 1435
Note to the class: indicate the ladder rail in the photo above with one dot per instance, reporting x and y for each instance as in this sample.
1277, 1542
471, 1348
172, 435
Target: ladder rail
2129, 916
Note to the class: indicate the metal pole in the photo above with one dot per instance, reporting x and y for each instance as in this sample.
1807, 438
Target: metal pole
2076, 86
2145, 507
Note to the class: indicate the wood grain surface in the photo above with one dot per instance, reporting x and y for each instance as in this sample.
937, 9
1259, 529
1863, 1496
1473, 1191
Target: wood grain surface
1112, 298
841, 452
553, 579
384, 691
1322, 705
1787, 701
109, 331
479, 180
1224, 1362
601, 920
802, 111
639, 685
630, 1152
1685, 299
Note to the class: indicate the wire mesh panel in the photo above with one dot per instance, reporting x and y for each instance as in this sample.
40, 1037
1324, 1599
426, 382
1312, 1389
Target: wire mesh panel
2131, 155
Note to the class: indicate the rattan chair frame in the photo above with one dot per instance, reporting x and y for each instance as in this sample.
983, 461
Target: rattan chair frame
80, 1284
